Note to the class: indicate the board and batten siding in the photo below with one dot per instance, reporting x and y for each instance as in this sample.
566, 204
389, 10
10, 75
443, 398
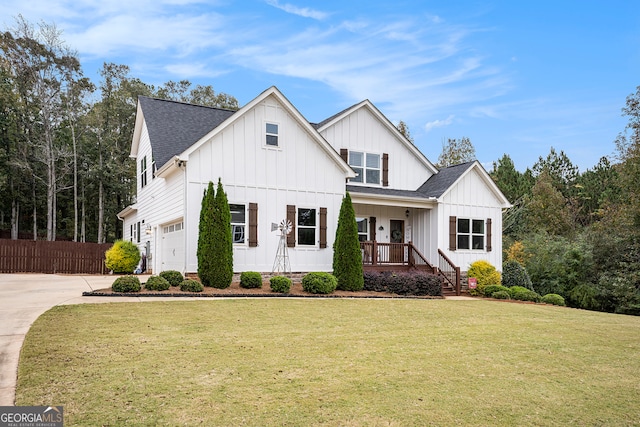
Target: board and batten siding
472, 199
298, 172
362, 131
160, 202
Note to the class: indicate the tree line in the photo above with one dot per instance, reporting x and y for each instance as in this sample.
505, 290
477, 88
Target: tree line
65, 141
578, 234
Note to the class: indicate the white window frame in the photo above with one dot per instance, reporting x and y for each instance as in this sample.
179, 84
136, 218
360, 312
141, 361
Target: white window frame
267, 134
240, 227
476, 241
364, 169
143, 172
308, 227
172, 228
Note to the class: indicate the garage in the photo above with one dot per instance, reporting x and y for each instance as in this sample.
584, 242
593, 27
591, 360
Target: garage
172, 247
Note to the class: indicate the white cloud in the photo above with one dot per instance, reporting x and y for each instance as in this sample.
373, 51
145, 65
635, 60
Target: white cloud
305, 12
439, 123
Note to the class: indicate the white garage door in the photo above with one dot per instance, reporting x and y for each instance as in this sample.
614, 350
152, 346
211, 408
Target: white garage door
173, 247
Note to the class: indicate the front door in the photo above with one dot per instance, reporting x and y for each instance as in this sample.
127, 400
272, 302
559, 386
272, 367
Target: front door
396, 252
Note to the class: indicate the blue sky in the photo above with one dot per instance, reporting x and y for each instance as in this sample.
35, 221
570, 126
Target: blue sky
516, 77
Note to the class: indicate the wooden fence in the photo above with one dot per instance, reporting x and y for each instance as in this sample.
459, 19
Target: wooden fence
28, 256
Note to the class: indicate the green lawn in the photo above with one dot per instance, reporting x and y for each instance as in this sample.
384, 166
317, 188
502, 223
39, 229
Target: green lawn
334, 362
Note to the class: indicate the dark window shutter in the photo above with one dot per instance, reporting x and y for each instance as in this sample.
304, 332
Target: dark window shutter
253, 225
291, 216
344, 153
323, 227
138, 237
372, 228
488, 234
385, 170
452, 233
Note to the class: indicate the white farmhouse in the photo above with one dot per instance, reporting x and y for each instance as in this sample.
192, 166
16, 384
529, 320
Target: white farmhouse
275, 165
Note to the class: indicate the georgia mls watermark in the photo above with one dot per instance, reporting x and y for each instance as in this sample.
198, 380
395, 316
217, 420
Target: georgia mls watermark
31, 416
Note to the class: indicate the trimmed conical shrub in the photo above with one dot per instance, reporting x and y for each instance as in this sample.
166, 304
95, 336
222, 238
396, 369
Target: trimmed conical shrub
205, 237
347, 257
222, 241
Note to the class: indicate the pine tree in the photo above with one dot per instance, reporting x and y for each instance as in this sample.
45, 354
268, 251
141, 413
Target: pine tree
222, 242
205, 237
347, 257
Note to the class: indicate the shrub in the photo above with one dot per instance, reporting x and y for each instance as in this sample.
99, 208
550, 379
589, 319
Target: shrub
157, 283
554, 299
190, 285
500, 295
485, 274
205, 238
173, 277
418, 284
122, 257
514, 274
215, 243
222, 245
491, 289
521, 293
280, 284
250, 280
126, 284
319, 283
374, 281
347, 257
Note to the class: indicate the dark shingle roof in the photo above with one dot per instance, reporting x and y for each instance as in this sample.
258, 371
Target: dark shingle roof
437, 184
175, 126
325, 121
385, 191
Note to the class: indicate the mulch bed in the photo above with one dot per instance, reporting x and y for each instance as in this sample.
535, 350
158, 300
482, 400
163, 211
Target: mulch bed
236, 291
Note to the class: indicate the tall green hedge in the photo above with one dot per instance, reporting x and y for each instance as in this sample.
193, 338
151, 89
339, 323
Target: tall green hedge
215, 244
347, 257
222, 244
205, 237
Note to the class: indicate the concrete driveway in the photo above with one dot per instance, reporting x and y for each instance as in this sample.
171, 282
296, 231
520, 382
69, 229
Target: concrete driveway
23, 298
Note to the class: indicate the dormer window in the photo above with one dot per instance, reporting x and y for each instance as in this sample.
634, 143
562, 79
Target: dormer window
271, 134
366, 165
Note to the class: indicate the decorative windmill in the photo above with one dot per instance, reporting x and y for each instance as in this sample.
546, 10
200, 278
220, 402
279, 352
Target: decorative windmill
281, 264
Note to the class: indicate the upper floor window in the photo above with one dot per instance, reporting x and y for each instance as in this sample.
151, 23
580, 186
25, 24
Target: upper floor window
470, 233
238, 222
271, 134
143, 171
307, 226
366, 165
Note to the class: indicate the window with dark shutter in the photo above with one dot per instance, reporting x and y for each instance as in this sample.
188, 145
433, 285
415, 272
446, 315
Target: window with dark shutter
253, 225
291, 216
489, 235
385, 170
453, 224
323, 227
